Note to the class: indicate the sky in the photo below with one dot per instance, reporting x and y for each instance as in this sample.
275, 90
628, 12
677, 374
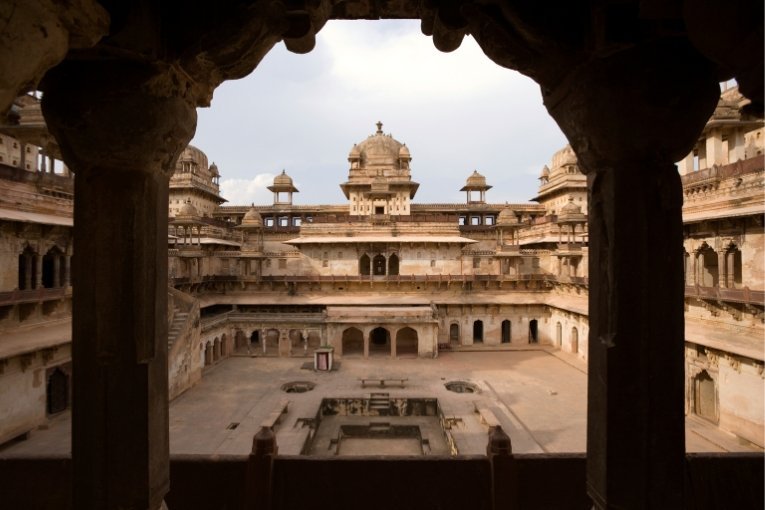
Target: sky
456, 112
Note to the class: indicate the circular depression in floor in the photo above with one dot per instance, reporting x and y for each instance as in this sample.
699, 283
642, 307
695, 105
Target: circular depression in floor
462, 387
298, 386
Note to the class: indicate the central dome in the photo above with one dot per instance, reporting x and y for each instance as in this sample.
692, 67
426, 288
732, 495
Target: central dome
379, 149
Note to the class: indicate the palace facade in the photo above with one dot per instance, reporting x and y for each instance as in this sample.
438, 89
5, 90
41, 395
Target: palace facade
383, 275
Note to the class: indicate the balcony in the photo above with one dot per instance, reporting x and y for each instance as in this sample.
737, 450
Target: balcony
745, 295
34, 295
275, 482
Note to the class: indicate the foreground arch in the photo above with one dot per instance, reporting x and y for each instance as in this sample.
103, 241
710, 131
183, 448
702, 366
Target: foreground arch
599, 66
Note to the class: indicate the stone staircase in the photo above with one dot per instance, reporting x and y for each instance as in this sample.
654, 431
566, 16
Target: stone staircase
380, 403
176, 326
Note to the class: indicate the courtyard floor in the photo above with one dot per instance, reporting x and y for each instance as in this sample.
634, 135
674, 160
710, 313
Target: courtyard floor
538, 396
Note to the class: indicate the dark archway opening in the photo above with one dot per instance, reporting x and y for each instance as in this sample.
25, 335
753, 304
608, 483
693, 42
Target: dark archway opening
57, 397
533, 338
406, 342
255, 337
378, 265
379, 341
454, 333
364, 265
393, 265
506, 331
353, 342
477, 331
51, 267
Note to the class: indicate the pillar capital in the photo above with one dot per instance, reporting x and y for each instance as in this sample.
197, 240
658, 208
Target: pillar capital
117, 115
659, 96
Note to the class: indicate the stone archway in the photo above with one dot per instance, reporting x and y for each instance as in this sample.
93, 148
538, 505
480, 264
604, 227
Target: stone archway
52, 268
393, 265
477, 331
208, 354
297, 342
379, 342
574, 340
353, 342
533, 331
709, 272
454, 333
407, 342
705, 396
57, 394
378, 265
507, 330
364, 265
216, 349
271, 342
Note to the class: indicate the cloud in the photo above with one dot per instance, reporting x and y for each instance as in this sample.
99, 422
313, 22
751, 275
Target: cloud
456, 112
393, 62
247, 191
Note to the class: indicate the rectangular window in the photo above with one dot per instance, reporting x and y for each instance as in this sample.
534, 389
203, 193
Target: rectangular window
488, 220
269, 222
475, 220
284, 221
476, 262
462, 220
296, 221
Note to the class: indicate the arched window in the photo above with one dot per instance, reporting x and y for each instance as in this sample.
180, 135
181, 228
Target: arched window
574, 340
393, 265
733, 267
506, 331
558, 334
378, 265
477, 331
364, 265
707, 262
51, 268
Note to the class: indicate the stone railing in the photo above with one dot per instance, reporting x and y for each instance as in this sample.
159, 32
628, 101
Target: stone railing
501, 479
745, 295
34, 295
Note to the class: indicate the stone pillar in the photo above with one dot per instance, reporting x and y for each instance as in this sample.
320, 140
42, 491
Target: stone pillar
715, 154
67, 271
685, 166
635, 424
28, 262
56, 272
736, 146
23, 156
38, 270
722, 269
121, 127
366, 342
393, 343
